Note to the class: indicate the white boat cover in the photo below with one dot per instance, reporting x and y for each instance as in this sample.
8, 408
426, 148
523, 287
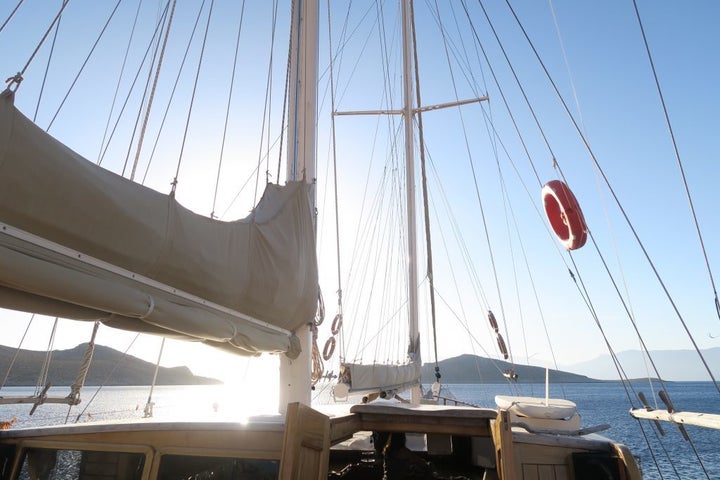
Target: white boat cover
263, 266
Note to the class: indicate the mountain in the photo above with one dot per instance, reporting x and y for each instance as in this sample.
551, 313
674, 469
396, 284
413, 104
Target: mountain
475, 369
673, 365
108, 367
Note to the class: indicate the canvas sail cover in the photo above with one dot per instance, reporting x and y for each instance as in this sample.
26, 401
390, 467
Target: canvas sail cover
246, 284
375, 377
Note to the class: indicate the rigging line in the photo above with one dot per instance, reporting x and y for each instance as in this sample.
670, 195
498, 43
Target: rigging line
77, 386
475, 282
585, 295
45, 368
533, 285
620, 207
18, 78
107, 378
17, 352
505, 102
373, 146
227, 110
82, 67
460, 54
628, 307
119, 80
626, 384
192, 98
269, 99
477, 287
391, 168
335, 177
156, 32
378, 21
156, 41
11, 15
268, 86
477, 189
147, 411
658, 439
582, 122
152, 92
625, 307
251, 175
540, 215
285, 110
600, 190
363, 248
47, 66
637, 331
519, 84
677, 157
469, 332
175, 85
508, 210
567, 65
426, 208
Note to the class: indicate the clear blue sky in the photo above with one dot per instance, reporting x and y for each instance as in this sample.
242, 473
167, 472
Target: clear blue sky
608, 70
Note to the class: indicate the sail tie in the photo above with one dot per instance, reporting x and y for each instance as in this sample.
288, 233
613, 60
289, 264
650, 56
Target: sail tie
18, 77
13, 81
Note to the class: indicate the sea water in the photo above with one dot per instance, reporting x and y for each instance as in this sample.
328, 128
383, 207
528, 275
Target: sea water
598, 403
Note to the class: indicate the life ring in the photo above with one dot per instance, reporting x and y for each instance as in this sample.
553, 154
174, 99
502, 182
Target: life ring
329, 348
564, 214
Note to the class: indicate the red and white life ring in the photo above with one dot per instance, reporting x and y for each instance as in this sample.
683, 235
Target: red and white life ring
564, 214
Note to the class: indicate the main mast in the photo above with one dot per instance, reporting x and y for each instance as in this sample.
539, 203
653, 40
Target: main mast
302, 135
408, 116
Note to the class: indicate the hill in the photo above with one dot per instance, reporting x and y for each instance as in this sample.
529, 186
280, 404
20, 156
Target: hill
475, 369
673, 365
109, 367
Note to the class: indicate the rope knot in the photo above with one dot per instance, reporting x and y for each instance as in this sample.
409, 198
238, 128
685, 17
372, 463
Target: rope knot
15, 81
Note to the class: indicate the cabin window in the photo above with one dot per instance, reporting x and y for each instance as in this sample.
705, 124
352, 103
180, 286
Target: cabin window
51, 464
185, 467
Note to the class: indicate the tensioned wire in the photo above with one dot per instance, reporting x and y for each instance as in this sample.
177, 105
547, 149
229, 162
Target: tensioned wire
619, 204
10, 16
677, 157
192, 99
597, 165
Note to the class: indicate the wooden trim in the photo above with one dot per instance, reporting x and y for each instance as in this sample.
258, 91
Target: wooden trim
503, 439
631, 467
306, 445
343, 428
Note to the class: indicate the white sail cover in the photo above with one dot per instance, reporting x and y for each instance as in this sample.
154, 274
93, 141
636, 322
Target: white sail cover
223, 275
378, 377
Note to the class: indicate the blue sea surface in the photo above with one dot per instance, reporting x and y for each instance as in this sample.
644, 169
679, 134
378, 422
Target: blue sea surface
598, 403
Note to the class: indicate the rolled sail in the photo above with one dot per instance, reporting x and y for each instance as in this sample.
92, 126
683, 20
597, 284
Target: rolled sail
81, 242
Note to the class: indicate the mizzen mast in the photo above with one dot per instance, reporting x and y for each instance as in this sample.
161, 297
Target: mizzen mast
302, 134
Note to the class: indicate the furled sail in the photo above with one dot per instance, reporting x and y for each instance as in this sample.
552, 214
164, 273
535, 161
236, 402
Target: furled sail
356, 378
80, 242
